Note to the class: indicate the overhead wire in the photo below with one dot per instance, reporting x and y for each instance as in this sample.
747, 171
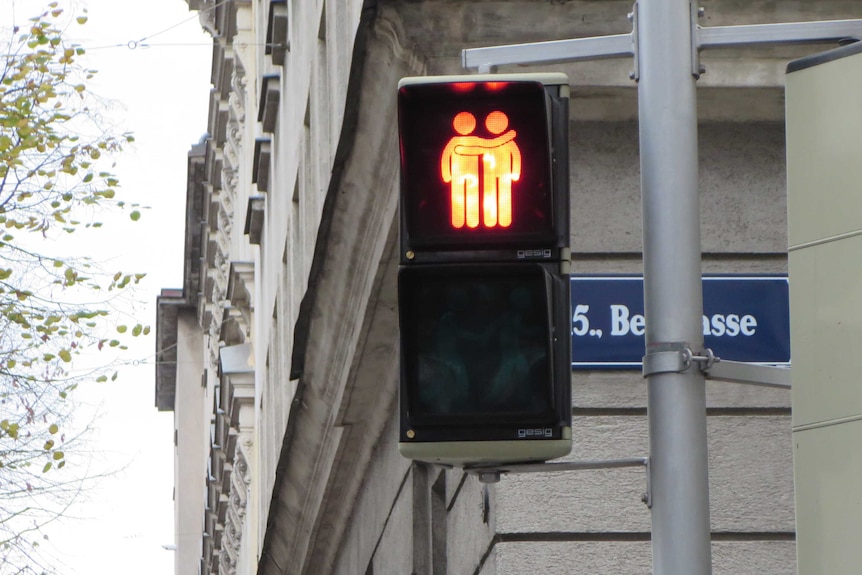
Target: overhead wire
141, 43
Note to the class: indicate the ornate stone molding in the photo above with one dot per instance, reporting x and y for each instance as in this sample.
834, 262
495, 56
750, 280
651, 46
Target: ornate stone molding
206, 15
227, 296
237, 489
237, 325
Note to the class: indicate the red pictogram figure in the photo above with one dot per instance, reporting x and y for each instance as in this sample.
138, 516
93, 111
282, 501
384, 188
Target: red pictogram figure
501, 165
463, 173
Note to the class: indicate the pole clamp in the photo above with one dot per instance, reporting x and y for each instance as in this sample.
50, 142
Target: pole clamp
666, 357
675, 357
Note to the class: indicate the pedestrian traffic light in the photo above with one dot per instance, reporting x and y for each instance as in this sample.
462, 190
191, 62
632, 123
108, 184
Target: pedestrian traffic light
483, 284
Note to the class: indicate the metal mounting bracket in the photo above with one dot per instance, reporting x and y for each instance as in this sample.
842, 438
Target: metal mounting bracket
493, 473
677, 357
739, 372
633, 17
573, 50
756, 35
668, 357
696, 12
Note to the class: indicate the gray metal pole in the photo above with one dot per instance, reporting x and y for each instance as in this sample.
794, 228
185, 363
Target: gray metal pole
667, 106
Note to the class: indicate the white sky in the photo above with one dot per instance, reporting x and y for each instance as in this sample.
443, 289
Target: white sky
161, 94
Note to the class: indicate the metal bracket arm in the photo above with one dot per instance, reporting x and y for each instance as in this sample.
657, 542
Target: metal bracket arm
824, 32
574, 50
756, 35
748, 373
492, 473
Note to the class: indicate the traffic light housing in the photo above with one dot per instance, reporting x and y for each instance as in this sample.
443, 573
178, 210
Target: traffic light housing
483, 284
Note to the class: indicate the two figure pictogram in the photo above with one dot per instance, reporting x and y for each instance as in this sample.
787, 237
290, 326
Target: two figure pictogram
500, 160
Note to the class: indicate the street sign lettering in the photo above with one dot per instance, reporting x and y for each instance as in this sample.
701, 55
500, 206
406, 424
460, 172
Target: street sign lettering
746, 318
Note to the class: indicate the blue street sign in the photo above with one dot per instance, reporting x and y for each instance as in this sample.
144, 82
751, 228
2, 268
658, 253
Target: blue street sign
746, 318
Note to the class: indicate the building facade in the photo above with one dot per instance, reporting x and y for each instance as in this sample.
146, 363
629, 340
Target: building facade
279, 354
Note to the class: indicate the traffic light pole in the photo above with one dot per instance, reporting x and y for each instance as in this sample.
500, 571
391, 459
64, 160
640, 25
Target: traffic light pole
673, 301
665, 43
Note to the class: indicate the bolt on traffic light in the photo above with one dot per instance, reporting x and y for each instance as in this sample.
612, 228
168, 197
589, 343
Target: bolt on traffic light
483, 284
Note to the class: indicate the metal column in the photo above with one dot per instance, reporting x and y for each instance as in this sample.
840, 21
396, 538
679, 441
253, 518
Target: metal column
667, 107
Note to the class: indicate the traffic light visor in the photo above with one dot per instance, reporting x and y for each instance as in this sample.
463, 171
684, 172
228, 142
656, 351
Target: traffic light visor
475, 164
477, 344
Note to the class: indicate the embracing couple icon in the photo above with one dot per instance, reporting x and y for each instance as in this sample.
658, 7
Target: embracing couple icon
501, 165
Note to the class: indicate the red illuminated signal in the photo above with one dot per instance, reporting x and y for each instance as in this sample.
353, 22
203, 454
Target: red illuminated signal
476, 164
501, 165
